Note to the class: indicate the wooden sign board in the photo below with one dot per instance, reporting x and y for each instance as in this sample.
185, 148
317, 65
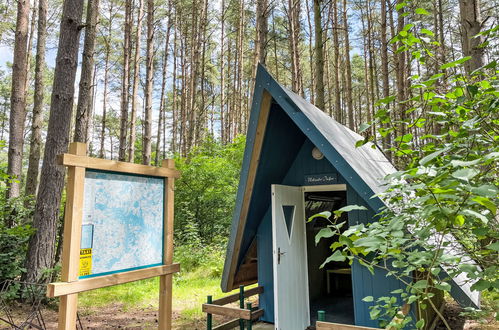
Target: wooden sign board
118, 228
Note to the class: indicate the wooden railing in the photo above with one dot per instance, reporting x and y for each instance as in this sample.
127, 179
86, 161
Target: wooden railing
245, 314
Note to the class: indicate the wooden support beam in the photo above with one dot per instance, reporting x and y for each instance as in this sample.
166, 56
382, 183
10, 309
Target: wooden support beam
239, 313
337, 326
265, 105
115, 166
66, 288
227, 325
255, 315
72, 236
165, 281
235, 297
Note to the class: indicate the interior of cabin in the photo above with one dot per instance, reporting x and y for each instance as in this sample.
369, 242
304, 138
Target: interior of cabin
330, 287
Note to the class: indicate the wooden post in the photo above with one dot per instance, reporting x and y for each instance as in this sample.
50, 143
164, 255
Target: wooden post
249, 323
241, 305
165, 281
209, 317
72, 236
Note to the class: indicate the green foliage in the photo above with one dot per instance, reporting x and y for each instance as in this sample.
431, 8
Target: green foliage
205, 193
15, 229
13, 246
441, 219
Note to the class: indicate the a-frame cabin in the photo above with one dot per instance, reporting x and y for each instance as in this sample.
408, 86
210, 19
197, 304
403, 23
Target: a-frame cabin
298, 161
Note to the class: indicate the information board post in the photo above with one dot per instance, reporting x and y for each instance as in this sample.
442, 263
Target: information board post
165, 281
72, 235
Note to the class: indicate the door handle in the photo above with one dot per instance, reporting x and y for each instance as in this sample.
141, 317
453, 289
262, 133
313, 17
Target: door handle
279, 254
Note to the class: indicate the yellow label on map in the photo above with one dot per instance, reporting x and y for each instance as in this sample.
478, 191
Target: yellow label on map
85, 262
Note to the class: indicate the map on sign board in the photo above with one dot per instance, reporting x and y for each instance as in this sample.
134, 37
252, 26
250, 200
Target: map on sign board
122, 226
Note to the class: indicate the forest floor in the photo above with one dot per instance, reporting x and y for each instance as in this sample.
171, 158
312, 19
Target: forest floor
119, 316
135, 305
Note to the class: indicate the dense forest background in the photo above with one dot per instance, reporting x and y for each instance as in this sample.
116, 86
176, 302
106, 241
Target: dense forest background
144, 80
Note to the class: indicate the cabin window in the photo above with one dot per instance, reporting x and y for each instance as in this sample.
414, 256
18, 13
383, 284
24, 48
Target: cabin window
289, 214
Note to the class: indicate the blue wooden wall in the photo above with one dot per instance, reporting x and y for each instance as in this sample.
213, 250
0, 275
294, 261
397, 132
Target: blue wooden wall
364, 284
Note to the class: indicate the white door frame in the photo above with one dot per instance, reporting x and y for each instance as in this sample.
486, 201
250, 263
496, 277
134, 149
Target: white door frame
314, 188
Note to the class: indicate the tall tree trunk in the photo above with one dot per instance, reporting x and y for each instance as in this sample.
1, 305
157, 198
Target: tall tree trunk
239, 71
262, 30
30, 46
37, 120
135, 88
400, 72
311, 55
147, 136
102, 152
193, 78
319, 57
107, 41
174, 145
384, 67
125, 80
471, 24
83, 108
204, 105
42, 244
337, 92
222, 73
348, 79
18, 99
162, 105
293, 13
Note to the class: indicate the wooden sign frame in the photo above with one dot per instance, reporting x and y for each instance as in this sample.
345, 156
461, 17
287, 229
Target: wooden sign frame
77, 162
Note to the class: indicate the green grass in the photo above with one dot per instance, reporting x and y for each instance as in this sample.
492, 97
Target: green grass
190, 289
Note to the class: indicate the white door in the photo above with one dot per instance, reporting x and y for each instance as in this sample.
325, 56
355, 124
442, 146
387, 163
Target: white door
291, 304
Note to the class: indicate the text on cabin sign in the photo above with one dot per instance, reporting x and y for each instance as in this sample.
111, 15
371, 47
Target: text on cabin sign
321, 179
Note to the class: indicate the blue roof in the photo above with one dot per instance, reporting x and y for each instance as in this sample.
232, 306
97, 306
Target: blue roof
364, 168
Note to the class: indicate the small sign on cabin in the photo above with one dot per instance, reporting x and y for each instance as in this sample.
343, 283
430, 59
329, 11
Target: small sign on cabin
316, 179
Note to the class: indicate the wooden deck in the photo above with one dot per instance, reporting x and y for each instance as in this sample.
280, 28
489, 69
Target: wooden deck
263, 326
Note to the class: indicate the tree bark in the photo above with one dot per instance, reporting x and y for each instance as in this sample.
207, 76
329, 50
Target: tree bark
310, 54
162, 105
384, 67
400, 73
348, 80
37, 120
125, 81
471, 24
293, 13
107, 41
222, 73
319, 57
262, 30
42, 244
83, 108
147, 136
336, 47
18, 99
135, 88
